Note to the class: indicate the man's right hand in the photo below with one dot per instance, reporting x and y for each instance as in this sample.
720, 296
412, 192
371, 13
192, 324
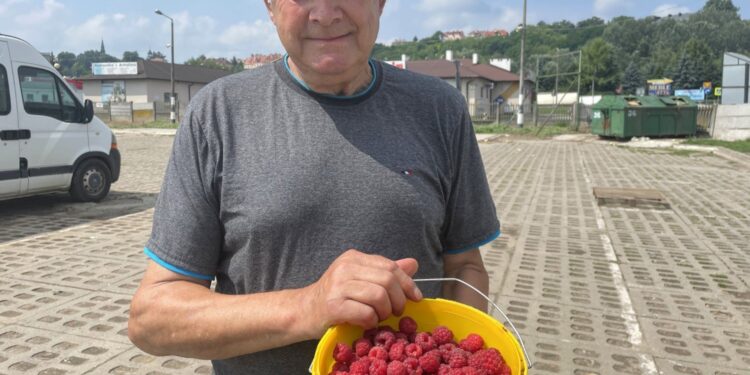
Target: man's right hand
362, 290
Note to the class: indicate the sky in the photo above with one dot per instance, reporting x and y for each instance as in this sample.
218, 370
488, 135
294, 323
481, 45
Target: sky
241, 27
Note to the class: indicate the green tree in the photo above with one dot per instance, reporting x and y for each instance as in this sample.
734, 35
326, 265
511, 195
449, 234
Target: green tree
721, 5
66, 61
155, 55
632, 79
686, 76
598, 64
131, 56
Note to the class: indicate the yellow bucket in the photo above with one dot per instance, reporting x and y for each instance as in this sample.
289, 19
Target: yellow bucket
430, 313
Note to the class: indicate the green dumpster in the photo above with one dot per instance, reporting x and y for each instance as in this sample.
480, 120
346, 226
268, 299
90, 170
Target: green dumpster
644, 116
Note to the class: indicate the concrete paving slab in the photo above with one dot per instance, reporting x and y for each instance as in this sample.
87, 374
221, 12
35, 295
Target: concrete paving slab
670, 366
27, 350
715, 309
79, 272
20, 299
135, 361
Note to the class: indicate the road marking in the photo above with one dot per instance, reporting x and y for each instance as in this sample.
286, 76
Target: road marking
635, 336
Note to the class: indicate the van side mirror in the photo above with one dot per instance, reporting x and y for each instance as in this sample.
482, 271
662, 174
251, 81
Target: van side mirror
88, 111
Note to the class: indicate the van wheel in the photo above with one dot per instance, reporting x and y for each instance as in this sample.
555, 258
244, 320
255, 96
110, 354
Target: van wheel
91, 181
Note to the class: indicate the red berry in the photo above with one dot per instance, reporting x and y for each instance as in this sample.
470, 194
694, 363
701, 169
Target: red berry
378, 352
411, 363
445, 351
362, 347
400, 336
426, 341
339, 367
430, 362
360, 367
488, 360
378, 367
385, 339
459, 358
472, 343
444, 369
397, 368
407, 325
471, 371
442, 335
343, 353
505, 369
397, 352
413, 350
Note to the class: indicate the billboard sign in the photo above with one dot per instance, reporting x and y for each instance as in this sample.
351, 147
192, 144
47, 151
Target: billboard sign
697, 95
115, 69
660, 87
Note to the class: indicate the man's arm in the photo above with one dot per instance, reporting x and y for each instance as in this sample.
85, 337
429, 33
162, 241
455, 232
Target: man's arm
171, 314
469, 267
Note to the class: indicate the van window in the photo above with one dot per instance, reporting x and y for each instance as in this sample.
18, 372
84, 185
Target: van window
4, 92
45, 95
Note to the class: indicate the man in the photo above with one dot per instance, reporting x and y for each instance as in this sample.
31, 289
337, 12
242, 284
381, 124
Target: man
311, 189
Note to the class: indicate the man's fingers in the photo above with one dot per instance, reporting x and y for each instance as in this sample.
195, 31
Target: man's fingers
408, 268
353, 312
373, 295
408, 265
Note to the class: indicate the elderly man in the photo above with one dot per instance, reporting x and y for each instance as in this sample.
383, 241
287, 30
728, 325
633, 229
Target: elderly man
311, 190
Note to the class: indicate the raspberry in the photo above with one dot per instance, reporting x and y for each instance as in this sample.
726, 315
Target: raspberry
340, 367
426, 341
378, 352
472, 343
385, 339
370, 334
397, 352
362, 347
459, 358
343, 353
360, 367
471, 371
407, 325
488, 360
445, 351
430, 362
400, 336
442, 335
378, 367
411, 363
504, 369
413, 350
397, 368
444, 369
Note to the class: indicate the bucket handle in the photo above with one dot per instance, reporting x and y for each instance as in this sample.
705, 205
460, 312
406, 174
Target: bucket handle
507, 320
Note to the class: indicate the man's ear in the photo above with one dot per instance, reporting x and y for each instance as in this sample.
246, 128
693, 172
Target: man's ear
269, 8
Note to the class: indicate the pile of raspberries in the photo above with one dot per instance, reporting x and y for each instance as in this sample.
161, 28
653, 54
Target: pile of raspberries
384, 351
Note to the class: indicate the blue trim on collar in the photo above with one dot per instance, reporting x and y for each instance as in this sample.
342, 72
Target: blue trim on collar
175, 269
487, 240
308, 89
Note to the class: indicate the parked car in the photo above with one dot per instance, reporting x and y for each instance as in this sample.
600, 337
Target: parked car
49, 139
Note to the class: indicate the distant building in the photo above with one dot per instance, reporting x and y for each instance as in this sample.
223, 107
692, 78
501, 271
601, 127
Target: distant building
735, 85
488, 33
257, 60
481, 84
452, 35
145, 82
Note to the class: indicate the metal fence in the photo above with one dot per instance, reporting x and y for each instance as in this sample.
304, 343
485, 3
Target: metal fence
535, 115
707, 117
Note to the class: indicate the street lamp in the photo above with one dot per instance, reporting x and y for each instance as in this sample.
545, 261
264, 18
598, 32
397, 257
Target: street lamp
523, 45
172, 103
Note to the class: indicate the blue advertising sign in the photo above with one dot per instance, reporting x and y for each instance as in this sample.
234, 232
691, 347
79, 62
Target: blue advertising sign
698, 95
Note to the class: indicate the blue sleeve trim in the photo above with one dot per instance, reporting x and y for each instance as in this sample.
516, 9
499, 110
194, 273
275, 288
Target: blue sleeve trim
172, 268
483, 242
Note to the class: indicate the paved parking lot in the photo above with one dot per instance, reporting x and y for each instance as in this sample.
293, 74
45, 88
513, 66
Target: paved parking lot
593, 289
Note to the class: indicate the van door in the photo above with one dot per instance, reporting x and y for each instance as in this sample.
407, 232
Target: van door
51, 116
10, 172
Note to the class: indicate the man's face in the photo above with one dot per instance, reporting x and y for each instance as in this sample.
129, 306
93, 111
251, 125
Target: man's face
327, 36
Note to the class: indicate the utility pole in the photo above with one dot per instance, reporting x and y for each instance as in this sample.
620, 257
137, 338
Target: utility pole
521, 88
577, 110
172, 101
557, 72
457, 63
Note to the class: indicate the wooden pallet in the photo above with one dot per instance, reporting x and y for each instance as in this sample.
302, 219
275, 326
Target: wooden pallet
628, 197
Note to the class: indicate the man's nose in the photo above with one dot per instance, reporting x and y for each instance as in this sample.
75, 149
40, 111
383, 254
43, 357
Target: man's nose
326, 12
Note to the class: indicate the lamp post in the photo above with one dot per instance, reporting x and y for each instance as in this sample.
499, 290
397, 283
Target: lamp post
172, 103
521, 88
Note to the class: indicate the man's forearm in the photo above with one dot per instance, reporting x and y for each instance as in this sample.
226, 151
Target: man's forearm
189, 320
476, 276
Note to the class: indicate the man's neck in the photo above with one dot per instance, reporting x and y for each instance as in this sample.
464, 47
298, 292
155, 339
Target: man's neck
345, 84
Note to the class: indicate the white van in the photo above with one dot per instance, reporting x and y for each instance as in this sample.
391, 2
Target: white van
49, 140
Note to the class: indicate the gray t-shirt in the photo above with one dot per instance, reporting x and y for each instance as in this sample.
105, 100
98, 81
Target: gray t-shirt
268, 183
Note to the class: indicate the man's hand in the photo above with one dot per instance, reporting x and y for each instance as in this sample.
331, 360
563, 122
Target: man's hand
362, 290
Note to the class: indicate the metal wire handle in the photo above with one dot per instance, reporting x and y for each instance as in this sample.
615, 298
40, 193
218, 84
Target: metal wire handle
507, 320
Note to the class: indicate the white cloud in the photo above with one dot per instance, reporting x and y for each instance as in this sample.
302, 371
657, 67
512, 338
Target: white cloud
669, 9
118, 17
7, 4
605, 5
260, 33
36, 16
465, 15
